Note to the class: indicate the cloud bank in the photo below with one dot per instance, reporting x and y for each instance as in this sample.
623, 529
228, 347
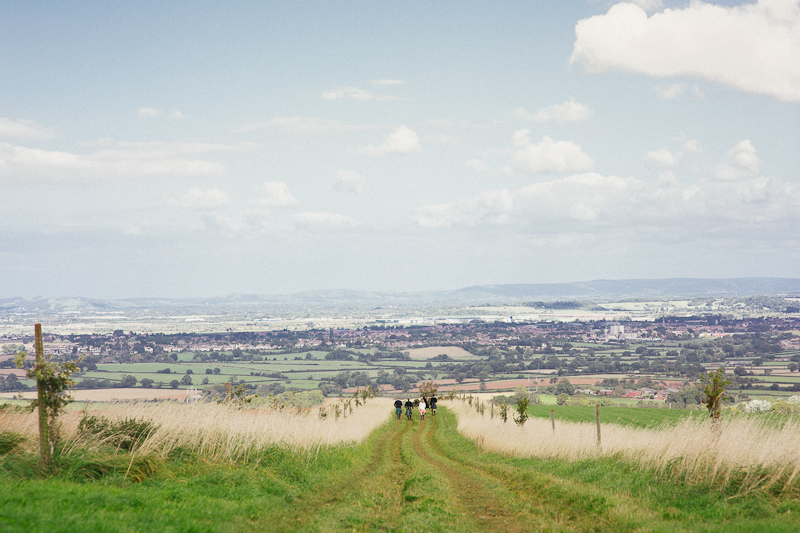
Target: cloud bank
754, 48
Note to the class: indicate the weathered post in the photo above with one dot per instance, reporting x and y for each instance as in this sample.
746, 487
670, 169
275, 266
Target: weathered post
228, 391
598, 424
41, 401
553, 419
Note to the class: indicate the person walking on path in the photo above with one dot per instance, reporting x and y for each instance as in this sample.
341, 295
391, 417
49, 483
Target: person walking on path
422, 407
398, 408
409, 408
433, 405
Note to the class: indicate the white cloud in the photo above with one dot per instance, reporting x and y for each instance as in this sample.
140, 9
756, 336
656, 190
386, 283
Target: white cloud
670, 92
349, 181
548, 155
386, 82
489, 207
148, 112
744, 155
692, 146
403, 140
569, 111
742, 163
663, 158
593, 203
320, 221
27, 129
122, 160
196, 198
175, 114
275, 194
754, 47
355, 93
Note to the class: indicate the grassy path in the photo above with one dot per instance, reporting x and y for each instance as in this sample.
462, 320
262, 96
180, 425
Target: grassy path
423, 476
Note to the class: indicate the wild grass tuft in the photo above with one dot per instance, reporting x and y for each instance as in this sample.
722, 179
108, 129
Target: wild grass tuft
135, 439
736, 454
10, 442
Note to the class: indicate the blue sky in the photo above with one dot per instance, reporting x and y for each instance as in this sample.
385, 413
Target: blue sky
201, 148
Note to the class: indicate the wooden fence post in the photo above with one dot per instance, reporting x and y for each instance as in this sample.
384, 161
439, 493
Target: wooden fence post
598, 424
41, 402
228, 391
553, 419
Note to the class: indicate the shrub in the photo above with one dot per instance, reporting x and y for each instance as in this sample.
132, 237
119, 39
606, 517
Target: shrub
758, 406
127, 434
785, 408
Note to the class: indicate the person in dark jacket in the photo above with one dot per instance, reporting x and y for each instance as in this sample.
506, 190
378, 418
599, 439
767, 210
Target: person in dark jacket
398, 408
433, 405
409, 408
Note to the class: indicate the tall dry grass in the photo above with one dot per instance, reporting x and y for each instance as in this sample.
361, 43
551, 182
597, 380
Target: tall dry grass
214, 431
743, 452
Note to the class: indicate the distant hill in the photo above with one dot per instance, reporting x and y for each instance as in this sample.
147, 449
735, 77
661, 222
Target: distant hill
595, 291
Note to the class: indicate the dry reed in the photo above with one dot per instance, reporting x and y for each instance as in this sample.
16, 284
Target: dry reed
749, 453
218, 432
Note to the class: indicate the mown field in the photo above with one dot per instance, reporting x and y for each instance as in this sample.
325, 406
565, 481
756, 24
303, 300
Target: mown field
418, 475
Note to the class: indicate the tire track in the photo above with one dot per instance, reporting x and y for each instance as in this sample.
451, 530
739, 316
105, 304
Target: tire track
476, 494
381, 475
566, 503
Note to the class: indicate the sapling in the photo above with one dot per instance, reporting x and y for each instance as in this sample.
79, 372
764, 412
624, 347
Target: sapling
714, 384
52, 382
522, 411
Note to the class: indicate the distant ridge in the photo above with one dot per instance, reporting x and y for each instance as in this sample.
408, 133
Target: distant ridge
596, 290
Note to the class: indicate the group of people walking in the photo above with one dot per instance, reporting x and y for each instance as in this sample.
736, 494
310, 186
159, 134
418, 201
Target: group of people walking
421, 404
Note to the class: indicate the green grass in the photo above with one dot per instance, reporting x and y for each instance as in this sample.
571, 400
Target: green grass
625, 416
418, 475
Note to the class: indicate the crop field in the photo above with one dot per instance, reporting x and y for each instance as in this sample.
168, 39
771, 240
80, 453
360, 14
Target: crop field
451, 351
216, 468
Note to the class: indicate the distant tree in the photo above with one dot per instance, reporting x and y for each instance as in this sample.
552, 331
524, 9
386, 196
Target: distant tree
146, 383
186, 380
205, 381
209, 371
128, 381
174, 384
217, 371
564, 387
792, 367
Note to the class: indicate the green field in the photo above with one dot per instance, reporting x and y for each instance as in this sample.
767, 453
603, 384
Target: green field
408, 476
626, 416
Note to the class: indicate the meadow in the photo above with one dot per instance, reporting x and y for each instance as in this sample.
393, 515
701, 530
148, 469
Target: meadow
210, 467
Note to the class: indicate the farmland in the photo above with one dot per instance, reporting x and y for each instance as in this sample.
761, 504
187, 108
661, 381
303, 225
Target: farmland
645, 360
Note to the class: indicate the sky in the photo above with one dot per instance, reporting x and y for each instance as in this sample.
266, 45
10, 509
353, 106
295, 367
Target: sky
195, 149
